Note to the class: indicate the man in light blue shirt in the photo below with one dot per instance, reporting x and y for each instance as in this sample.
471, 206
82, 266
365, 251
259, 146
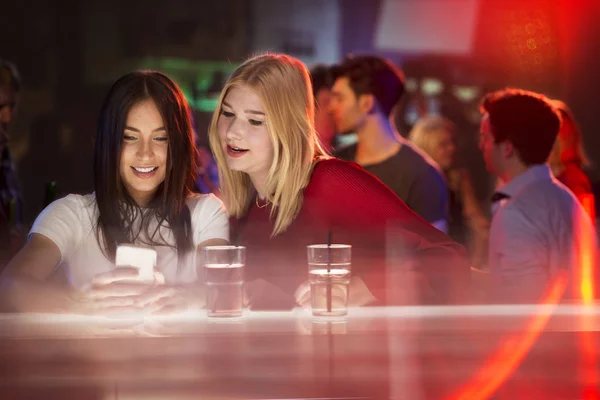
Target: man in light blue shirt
539, 229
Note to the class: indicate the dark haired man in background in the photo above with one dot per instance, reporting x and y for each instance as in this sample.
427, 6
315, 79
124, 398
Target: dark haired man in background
539, 230
366, 90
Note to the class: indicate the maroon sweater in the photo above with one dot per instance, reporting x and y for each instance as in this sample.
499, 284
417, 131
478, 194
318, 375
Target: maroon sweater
386, 237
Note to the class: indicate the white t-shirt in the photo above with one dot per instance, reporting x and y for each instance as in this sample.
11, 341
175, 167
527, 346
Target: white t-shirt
71, 222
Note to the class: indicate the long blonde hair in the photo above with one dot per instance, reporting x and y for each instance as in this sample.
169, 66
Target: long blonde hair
283, 85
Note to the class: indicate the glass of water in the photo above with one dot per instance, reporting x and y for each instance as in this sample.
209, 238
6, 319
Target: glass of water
329, 268
224, 279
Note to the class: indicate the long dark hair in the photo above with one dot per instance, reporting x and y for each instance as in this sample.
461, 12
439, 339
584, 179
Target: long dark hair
121, 219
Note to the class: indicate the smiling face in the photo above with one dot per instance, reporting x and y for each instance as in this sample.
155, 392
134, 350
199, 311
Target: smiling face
144, 152
243, 133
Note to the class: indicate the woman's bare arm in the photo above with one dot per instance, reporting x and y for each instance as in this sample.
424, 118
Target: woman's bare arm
24, 285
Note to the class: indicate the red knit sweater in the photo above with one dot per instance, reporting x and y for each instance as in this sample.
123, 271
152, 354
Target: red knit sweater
386, 237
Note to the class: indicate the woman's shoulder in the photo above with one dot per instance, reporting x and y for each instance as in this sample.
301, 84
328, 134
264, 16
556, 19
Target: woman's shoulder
334, 168
73, 202
68, 214
197, 202
335, 176
346, 194
208, 216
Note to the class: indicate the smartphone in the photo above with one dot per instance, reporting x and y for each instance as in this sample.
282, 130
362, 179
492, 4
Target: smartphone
143, 258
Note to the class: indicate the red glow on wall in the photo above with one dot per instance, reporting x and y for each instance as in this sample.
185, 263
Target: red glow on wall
509, 354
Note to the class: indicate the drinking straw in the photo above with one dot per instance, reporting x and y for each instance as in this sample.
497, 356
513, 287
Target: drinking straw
329, 283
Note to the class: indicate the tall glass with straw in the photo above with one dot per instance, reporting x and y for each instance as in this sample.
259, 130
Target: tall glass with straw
329, 270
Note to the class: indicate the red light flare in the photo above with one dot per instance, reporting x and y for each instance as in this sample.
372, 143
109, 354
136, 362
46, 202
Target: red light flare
584, 284
507, 358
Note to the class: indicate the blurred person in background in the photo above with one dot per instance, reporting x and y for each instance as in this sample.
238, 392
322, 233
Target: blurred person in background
208, 173
568, 158
283, 193
322, 80
365, 92
539, 230
207, 180
468, 225
11, 199
144, 172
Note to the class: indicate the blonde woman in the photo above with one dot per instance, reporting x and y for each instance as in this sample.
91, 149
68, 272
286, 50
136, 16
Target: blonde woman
283, 193
568, 159
435, 136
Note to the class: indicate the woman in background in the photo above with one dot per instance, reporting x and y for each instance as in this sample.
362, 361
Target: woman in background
144, 173
568, 158
468, 224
